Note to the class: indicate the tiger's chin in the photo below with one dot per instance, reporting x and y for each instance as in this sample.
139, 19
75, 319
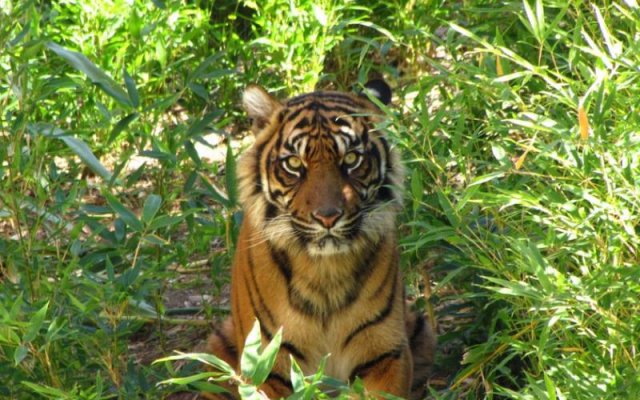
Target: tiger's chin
329, 246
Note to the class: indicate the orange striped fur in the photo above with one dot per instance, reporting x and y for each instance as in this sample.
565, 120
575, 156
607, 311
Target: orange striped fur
317, 252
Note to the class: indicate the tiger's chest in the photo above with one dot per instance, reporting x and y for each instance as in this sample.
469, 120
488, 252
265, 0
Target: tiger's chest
333, 307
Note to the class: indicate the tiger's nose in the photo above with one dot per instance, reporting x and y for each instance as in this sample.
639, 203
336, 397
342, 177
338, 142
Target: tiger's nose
327, 216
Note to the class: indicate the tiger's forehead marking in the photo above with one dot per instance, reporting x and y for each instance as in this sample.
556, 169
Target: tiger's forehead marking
322, 120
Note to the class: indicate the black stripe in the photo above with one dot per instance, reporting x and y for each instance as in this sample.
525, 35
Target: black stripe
271, 211
418, 328
387, 152
359, 277
325, 96
365, 135
253, 304
385, 192
301, 303
226, 343
263, 306
258, 154
299, 99
363, 367
393, 261
345, 108
281, 379
338, 97
341, 122
290, 347
294, 351
382, 315
282, 261
294, 114
235, 304
334, 108
303, 123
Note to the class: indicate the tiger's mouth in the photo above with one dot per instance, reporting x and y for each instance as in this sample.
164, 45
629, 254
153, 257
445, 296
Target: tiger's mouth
320, 241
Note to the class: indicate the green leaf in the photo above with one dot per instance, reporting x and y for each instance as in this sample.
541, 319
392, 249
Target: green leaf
297, 376
151, 206
82, 306
249, 392
199, 90
447, 209
417, 188
125, 214
165, 220
267, 359
192, 152
21, 34
198, 126
251, 353
257, 364
208, 387
479, 180
20, 354
122, 125
192, 378
46, 391
131, 88
214, 192
36, 324
155, 240
231, 181
164, 103
86, 155
96, 75
200, 70
204, 358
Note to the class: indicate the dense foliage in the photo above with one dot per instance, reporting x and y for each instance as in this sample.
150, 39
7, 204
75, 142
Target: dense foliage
519, 122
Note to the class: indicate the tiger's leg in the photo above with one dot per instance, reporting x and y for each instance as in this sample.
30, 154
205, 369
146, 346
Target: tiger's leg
390, 372
221, 344
422, 342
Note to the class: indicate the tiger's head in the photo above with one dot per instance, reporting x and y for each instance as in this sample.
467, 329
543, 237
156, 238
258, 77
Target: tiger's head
320, 177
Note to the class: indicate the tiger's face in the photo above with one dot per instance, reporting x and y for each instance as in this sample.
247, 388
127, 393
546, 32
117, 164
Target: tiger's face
320, 178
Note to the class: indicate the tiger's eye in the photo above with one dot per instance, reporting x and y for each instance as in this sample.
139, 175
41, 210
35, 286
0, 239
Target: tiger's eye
351, 158
293, 162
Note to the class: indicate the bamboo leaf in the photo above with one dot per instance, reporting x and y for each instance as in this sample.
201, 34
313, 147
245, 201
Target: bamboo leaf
131, 88
36, 323
121, 125
231, 181
151, 206
86, 155
96, 75
127, 216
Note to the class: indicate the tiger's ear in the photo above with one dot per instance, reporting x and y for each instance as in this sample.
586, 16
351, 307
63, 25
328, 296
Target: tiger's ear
378, 89
259, 105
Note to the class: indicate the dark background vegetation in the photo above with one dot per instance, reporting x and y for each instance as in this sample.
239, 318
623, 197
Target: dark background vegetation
519, 122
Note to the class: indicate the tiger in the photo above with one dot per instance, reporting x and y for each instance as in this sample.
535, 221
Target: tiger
317, 252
